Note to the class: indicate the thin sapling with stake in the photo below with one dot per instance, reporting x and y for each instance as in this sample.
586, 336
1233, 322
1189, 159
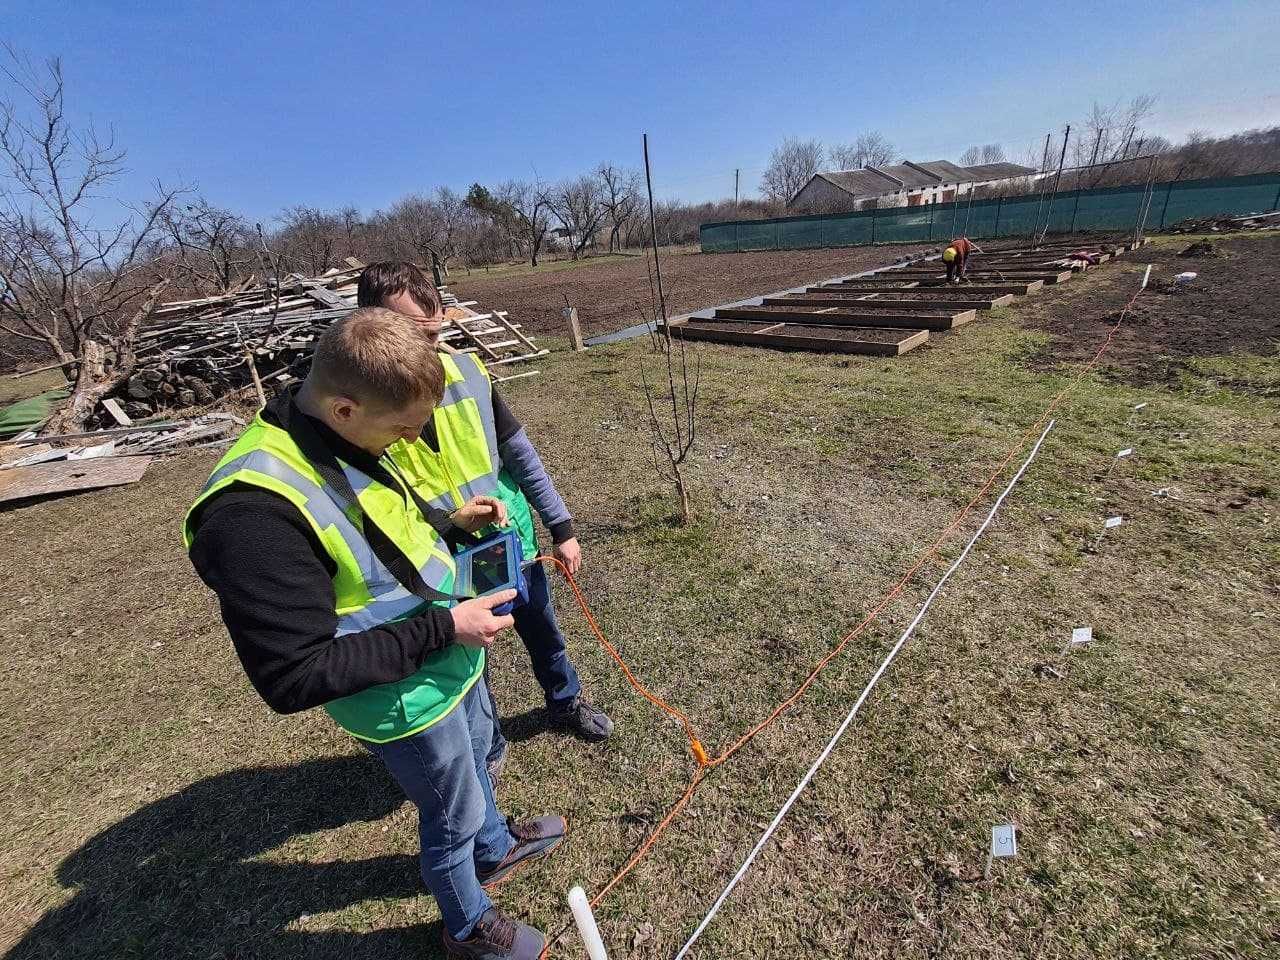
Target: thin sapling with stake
673, 415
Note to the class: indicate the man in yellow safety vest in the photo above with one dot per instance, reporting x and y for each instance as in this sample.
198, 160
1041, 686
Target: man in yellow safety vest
474, 444
334, 573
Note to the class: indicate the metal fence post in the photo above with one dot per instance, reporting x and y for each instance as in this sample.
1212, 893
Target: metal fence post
873, 222
1165, 209
1275, 204
995, 231
931, 206
955, 209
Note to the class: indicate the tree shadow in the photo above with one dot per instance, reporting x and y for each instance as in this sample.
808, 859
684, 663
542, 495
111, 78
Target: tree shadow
183, 877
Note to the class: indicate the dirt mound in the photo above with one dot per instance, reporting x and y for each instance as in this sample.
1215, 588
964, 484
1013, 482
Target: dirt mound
1201, 248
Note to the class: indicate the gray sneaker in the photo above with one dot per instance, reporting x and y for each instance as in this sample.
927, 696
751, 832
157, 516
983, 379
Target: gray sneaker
496, 937
583, 719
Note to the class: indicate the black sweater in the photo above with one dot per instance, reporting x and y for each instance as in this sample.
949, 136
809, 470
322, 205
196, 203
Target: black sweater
274, 582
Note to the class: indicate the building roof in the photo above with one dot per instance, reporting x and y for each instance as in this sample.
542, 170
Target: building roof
998, 171
910, 176
877, 181
860, 183
945, 171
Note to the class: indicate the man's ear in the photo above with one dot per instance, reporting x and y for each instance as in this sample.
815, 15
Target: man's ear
343, 409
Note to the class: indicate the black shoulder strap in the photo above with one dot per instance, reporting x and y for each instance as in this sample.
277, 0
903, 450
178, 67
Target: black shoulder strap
326, 464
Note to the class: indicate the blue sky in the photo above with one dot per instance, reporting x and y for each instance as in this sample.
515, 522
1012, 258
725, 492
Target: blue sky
265, 105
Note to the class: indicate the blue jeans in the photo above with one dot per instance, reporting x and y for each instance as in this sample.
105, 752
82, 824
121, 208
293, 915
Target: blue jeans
537, 627
442, 770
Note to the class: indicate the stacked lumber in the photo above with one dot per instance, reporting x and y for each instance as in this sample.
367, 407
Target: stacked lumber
198, 352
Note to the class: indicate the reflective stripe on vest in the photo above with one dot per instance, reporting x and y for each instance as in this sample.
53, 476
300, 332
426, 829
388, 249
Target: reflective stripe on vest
366, 593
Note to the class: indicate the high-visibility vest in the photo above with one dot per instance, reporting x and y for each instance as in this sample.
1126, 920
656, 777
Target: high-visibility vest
366, 593
467, 464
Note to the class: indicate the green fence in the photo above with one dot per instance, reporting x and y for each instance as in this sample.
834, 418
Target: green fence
1106, 208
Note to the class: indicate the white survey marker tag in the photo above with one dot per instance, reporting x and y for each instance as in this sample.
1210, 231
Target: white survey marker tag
1112, 522
1004, 841
1082, 635
1141, 405
1126, 452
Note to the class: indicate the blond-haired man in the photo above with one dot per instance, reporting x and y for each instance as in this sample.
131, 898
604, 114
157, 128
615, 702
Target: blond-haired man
335, 581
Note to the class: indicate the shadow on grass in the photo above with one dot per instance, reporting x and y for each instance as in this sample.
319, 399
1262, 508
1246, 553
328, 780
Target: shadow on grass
182, 877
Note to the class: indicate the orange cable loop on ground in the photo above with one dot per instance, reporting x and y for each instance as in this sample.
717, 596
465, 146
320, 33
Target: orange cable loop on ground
699, 752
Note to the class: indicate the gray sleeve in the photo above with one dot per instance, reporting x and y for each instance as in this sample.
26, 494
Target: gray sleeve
522, 462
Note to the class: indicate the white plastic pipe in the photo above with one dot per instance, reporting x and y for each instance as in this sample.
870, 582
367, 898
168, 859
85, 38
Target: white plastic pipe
586, 921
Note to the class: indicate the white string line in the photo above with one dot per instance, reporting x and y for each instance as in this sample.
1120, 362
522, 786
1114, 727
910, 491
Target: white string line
893, 652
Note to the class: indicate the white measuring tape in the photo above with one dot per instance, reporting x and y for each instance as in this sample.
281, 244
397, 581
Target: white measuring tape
831, 745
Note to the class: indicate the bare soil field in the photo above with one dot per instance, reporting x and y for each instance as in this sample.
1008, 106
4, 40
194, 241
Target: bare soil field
615, 294
153, 806
1231, 308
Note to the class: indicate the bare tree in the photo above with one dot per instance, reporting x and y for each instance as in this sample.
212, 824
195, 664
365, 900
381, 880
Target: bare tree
525, 206
791, 166
78, 290
211, 248
423, 229
620, 193
579, 206
309, 238
993, 153
870, 149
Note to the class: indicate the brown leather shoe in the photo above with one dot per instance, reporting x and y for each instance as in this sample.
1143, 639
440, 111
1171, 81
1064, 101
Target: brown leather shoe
534, 840
496, 937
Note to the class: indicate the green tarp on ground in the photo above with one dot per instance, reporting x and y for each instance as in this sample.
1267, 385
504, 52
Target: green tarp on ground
30, 413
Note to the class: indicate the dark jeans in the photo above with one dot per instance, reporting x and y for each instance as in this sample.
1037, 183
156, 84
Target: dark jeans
955, 268
537, 627
442, 770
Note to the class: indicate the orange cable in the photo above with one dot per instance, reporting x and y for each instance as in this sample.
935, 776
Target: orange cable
699, 752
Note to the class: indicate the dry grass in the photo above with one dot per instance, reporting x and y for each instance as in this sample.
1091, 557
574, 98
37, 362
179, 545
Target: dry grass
155, 807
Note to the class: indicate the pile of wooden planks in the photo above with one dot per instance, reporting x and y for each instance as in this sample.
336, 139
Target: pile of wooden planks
195, 351
890, 311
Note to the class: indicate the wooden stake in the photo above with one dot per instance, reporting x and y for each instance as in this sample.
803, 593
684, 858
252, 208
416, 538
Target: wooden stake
570, 315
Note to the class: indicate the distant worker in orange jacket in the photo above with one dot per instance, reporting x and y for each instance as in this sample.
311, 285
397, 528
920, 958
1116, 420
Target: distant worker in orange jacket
955, 256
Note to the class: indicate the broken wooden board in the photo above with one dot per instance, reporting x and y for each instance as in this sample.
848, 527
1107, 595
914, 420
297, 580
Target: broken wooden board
47, 479
877, 342
851, 317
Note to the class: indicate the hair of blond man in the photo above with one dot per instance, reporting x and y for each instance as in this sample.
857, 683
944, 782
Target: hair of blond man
376, 357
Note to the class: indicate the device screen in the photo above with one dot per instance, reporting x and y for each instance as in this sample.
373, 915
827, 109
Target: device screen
489, 568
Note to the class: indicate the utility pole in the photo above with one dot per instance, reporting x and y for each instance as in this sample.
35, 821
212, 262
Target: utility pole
1044, 188
1076, 209
1062, 158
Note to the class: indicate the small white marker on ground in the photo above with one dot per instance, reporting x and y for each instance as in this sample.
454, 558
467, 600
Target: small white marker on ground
1082, 635
1141, 405
1146, 276
1126, 452
1004, 843
1107, 525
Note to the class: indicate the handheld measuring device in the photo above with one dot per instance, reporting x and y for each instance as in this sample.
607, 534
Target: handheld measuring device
493, 565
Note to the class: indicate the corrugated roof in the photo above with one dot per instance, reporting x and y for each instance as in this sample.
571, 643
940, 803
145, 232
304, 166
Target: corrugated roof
998, 171
860, 183
877, 181
910, 176
945, 170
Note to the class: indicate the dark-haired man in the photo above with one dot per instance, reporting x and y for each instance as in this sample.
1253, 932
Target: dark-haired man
334, 577
473, 444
